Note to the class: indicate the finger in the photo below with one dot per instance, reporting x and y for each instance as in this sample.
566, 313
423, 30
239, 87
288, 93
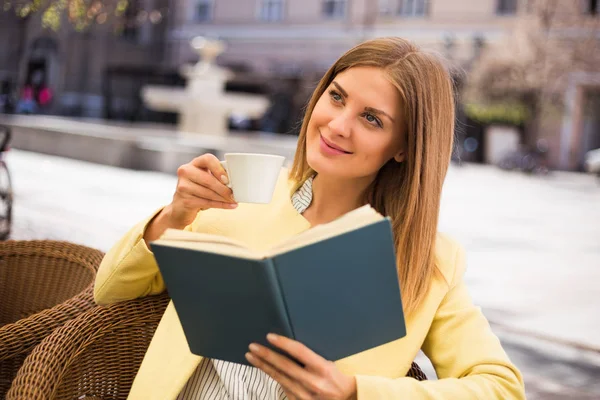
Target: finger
291, 386
218, 204
290, 395
283, 363
197, 203
202, 178
190, 189
310, 359
213, 164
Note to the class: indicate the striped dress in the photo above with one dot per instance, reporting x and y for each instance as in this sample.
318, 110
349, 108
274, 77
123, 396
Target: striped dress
223, 380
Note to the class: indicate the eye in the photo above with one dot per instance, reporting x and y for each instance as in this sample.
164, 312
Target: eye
373, 120
335, 96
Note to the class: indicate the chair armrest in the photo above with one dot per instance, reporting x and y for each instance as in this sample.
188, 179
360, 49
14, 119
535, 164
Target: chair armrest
43, 284
94, 355
36, 275
21, 336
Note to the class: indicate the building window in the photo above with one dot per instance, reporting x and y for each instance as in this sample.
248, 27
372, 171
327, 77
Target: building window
204, 10
271, 10
530, 6
412, 8
334, 8
385, 7
506, 7
592, 7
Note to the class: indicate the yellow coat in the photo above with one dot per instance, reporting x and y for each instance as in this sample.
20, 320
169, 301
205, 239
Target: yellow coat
451, 331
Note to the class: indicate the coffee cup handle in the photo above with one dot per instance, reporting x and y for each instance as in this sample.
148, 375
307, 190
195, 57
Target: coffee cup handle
224, 165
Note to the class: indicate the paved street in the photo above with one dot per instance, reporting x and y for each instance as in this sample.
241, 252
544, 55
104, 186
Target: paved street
533, 247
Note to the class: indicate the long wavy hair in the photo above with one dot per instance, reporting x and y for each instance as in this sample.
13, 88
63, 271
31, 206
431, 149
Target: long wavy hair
408, 192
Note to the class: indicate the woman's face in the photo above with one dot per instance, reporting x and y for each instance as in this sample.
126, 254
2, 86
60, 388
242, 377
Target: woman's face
356, 126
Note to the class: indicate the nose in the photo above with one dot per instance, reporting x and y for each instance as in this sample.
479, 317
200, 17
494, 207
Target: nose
340, 125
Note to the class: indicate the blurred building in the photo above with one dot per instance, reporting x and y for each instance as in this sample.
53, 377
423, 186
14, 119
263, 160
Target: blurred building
304, 37
300, 39
286, 45
266, 38
82, 65
298, 36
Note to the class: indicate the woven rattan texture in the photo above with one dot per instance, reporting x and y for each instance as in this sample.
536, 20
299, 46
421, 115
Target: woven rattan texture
95, 355
416, 372
43, 284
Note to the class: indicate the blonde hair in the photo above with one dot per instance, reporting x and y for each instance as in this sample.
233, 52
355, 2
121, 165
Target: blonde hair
408, 192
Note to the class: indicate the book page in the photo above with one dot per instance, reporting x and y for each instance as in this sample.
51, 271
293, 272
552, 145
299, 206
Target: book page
207, 242
353, 220
211, 243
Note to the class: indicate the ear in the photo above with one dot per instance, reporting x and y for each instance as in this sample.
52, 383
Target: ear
399, 157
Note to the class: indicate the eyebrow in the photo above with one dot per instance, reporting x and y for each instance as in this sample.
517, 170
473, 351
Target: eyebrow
369, 109
342, 91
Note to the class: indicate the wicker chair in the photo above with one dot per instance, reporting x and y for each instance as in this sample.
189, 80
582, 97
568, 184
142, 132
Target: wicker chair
43, 284
97, 355
94, 356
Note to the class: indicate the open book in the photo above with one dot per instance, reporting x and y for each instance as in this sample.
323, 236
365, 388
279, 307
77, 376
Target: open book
333, 287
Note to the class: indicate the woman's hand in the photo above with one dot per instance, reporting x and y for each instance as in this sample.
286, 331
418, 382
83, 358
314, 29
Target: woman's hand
202, 184
319, 379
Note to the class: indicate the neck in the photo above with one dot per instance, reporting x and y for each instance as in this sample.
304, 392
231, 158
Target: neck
333, 198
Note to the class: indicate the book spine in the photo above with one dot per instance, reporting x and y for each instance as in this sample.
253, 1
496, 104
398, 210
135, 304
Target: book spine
279, 300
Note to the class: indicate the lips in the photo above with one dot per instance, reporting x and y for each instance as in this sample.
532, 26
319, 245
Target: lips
334, 146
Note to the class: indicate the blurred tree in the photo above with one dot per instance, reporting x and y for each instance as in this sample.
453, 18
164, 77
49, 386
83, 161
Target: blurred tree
552, 39
81, 14
95, 24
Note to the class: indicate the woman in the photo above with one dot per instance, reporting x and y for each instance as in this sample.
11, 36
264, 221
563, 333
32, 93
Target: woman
378, 130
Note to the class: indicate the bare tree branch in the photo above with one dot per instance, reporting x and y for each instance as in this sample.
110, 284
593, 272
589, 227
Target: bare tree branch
532, 66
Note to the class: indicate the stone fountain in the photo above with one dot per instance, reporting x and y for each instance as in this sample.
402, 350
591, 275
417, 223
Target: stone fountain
203, 106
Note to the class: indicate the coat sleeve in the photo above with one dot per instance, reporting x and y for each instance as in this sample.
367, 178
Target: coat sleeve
129, 270
467, 356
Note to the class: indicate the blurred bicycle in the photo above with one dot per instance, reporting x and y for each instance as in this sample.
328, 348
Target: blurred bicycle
529, 160
6, 193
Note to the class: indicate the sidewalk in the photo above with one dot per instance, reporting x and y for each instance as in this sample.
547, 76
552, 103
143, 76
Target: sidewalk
533, 249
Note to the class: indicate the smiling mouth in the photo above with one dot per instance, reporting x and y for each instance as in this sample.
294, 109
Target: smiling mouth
334, 147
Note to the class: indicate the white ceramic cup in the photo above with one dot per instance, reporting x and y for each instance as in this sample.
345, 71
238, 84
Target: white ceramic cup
252, 177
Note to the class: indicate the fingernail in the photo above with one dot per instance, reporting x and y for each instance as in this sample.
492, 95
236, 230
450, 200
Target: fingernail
253, 347
233, 205
224, 179
272, 337
249, 357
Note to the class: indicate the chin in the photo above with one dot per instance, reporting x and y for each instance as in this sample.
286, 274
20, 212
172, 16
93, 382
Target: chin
325, 166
